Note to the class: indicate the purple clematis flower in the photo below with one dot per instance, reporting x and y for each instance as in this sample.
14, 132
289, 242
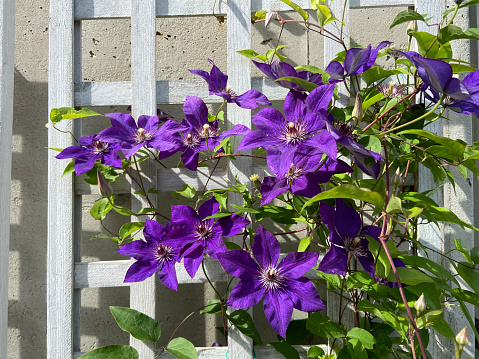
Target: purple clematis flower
301, 126
438, 76
198, 235
347, 238
279, 69
217, 86
467, 106
91, 149
152, 255
342, 134
281, 285
357, 61
303, 177
132, 136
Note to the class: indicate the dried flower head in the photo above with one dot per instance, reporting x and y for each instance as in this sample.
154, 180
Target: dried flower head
391, 90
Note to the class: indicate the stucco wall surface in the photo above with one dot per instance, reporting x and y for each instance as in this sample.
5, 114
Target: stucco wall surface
182, 43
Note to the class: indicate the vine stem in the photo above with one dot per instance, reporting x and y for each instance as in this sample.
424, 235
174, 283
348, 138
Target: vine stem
230, 155
390, 259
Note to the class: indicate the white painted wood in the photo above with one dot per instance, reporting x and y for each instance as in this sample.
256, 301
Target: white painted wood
89, 94
143, 76
60, 190
95, 9
239, 71
107, 274
381, 3
221, 352
7, 35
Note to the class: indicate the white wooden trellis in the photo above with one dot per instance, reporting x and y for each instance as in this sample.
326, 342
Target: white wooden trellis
7, 14
67, 275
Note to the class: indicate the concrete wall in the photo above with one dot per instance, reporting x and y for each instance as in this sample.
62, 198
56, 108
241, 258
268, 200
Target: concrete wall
182, 43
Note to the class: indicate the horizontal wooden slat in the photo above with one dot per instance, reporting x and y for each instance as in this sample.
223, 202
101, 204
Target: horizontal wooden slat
380, 3
171, 179
108, 274
168, 92
220, 352
98, 9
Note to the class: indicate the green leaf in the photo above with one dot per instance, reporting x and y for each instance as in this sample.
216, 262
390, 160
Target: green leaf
394, 205
123, 211
278, 214
359, 280
475, 255
232, 246
372, 100
242, 320
139, 325
112, 352
426, 41
70, 168
248, 53
465, 253
213, 307
324, 15
453, 32
219, 215
182, 349
464, 4
147, 210
308, 86
350, 191
101, 235
397, 322
333, 280
429, 265
427, 318
221, 198
130, 228
63, 113
455, 147
406, 16
377, 73
286, 350
296, 332
108, 172
459, 68
366, 338
469, 274
187, 191
316, 353
443, 328
304, 244
100, 209
410, 276
296, 8
323, 326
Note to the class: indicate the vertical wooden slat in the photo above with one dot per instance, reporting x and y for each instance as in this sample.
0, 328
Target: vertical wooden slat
77, 199
7, 10
331, 48
60, 190
239, 71
143, 75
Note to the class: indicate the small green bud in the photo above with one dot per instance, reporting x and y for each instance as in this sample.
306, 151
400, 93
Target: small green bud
358, 108
104, 187
412, 27
461, 337
420, 304
396, 179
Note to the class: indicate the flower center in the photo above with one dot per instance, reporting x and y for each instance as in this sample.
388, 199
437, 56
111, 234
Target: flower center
293, 173
99, 147
355, 246
271, 278
191, 141
141, 135
346, 129
163, 252
203, 231
294, 133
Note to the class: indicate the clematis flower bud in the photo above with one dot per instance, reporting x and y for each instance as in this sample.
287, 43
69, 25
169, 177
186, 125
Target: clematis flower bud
358, 108
256, 182
396, 179
461, 337
420, 304
104, 186
412, 27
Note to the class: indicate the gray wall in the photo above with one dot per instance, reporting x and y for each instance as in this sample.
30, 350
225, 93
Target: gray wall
182, 43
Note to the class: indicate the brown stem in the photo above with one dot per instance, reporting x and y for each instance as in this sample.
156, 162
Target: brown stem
230, 155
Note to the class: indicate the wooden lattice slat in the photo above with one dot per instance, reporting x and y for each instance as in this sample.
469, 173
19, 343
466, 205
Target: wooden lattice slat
7, 35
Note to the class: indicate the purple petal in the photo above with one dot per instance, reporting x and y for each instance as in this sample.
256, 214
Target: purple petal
269, 120
306, 186
320, 97
149, 123
238, 130
304, 295
295, 264
232, 225
324, 142
153, 232
190, 159
218, 80
367, 262
278, 309
208, 208
256, 139
251, 99
246, 294
184, 215
192, 260
294, 106
140, 271
196, 112
140, 250
347, 221
335, 261
72, 152
167, 275
335, 70
266, 248
272, 187
239, 264
84, 164
203, 74
356, 59
371, 231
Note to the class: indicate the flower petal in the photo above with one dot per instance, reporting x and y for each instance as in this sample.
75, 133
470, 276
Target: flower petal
238, 263
335, 261
232, 225
278, 309
140, 270
266, 248
304, 295
246, 294
296, 264
167, 275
